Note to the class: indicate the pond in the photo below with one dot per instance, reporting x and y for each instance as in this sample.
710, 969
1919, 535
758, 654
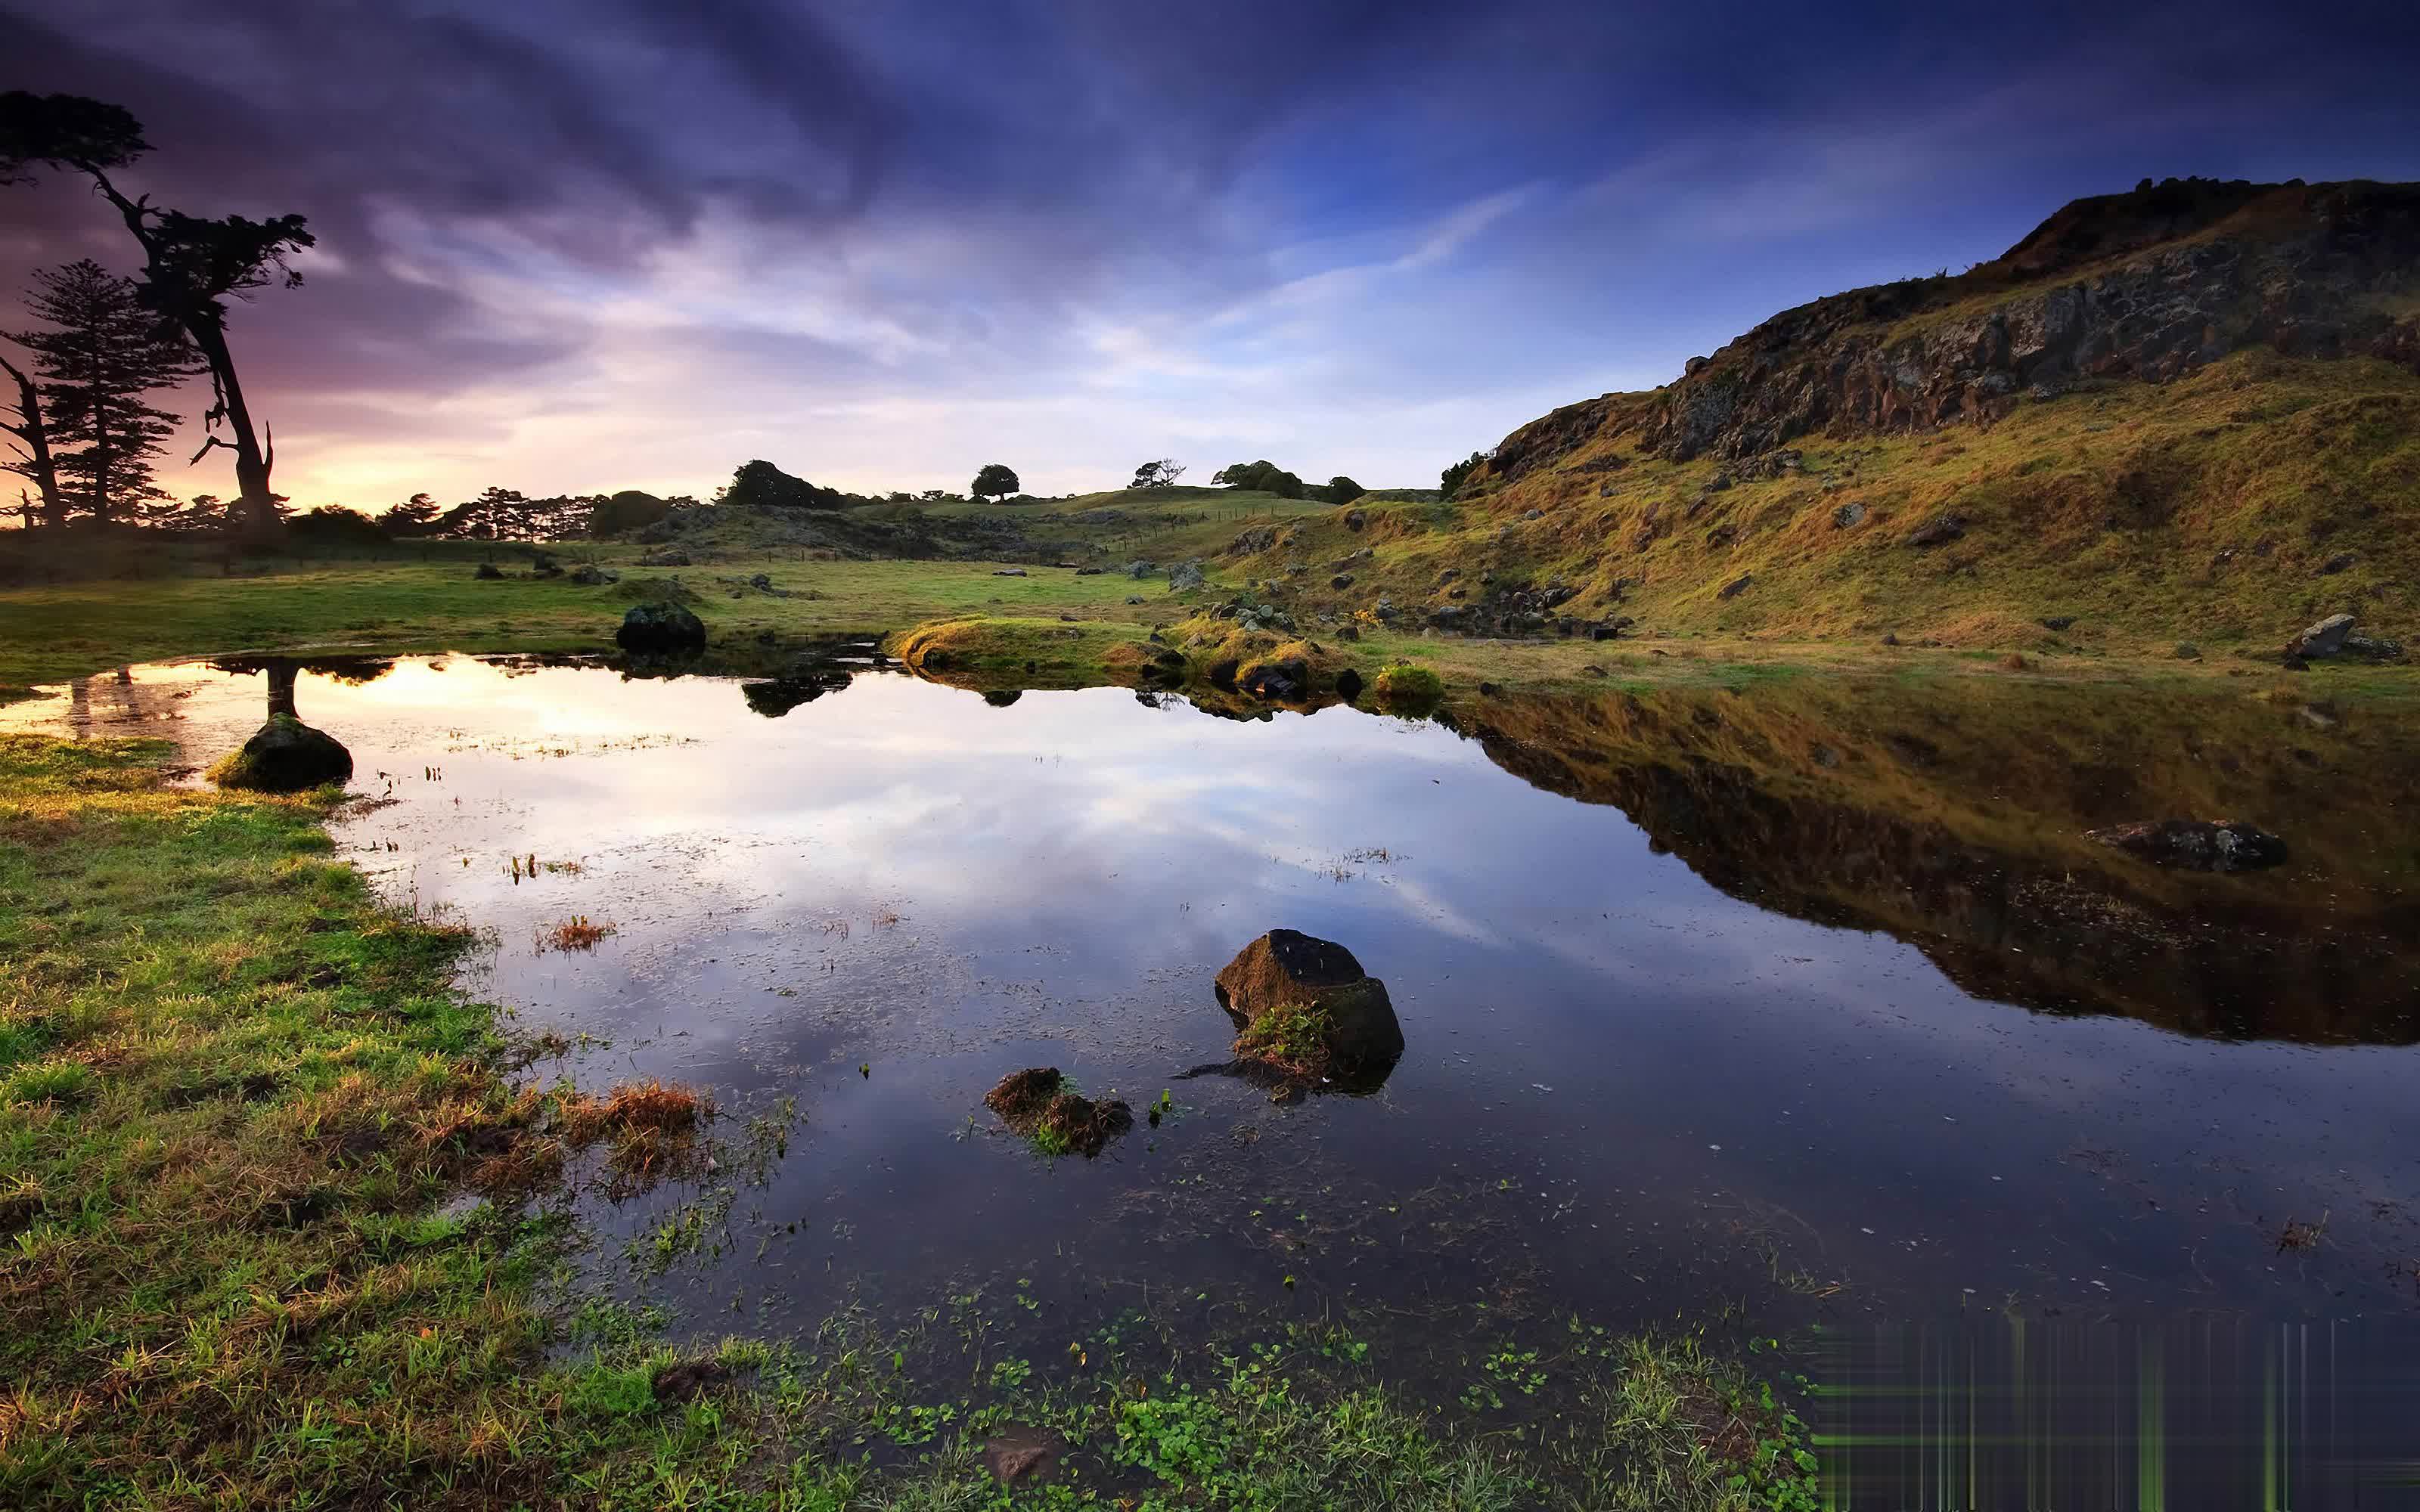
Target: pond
1807, 998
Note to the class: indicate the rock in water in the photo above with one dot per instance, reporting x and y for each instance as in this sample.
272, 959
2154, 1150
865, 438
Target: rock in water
661, 626
2324, 639
285, 756
2196, 844
1036, 1100
1304, 1006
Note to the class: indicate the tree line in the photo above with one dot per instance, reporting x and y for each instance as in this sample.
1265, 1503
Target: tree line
85, 431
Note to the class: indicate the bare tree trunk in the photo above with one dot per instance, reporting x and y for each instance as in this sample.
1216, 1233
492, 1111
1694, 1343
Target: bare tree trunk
255, 506
36, 438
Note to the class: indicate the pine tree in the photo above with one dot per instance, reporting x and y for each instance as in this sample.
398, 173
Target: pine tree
100, 359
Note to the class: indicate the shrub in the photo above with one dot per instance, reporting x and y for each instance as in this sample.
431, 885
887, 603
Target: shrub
1405, 686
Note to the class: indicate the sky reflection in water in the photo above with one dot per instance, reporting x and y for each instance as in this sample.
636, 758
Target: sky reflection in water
1624, 1089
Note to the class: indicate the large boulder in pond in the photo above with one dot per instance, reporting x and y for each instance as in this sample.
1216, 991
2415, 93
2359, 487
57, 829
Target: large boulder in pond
285, 756
1304, 1006
2196, 844
661, 626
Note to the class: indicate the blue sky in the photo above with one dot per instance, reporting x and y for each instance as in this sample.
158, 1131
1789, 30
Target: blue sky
583, 246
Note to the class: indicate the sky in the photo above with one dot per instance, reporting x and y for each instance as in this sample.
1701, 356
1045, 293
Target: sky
574, 246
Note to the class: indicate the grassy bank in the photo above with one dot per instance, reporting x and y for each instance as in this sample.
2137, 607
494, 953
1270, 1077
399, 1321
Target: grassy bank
1072, 627
236, 1094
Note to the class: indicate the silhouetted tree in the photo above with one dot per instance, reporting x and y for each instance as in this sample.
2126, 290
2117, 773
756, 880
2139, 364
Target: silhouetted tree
99, 359
191, 264
1343, 490
1159, 474
995, 481
31, 432
415, 515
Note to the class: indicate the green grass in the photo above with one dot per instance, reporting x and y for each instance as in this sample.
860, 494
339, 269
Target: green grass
2200, 510
234, 1088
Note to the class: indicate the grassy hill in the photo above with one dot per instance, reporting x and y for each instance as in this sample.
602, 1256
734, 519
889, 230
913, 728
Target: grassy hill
2191, 413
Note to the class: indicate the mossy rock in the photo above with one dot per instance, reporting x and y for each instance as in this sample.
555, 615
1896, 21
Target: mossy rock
284, 755
661, 625
1038, 1103
1303, 1006
1407, 688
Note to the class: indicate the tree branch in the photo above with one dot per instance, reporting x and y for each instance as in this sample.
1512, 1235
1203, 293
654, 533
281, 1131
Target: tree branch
214, 440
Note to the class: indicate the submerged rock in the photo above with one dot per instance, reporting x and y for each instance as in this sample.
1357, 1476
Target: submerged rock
2196, 844
284, 755
661, 626
1305, 1007
1035, 1103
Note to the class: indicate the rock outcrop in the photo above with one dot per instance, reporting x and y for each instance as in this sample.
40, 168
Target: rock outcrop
2147, 285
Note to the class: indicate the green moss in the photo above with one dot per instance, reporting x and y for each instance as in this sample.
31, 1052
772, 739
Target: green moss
1408, 686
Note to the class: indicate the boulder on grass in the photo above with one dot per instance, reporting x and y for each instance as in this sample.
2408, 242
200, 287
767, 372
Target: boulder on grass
2324, 639
661, 627
285, 756
2196, 844
1303, 1006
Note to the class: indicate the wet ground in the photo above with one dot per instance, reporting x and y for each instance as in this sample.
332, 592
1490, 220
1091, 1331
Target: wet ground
1849, 1037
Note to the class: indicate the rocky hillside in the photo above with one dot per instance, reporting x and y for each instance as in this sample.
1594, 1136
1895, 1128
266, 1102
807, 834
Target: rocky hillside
2149, 285
2189, 411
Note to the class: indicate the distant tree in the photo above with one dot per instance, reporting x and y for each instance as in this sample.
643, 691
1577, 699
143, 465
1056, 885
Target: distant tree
191, 264
335, 525
415, 515
629, 510
899, 496
100, 354
994, 481
1451, 477
1160, 474
203, 512
31, 432
1259, 477
760, 485
940, 496
1343, 490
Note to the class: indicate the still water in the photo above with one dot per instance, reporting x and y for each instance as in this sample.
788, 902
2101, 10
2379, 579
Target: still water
1808, 1000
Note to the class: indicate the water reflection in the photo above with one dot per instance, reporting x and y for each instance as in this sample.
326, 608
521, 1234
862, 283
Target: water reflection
1706, 990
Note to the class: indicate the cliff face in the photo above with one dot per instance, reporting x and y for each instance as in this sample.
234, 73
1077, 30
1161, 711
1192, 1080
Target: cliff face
2149, 284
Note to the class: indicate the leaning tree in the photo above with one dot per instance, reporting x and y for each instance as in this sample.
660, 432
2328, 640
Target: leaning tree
32, 434
191, 264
